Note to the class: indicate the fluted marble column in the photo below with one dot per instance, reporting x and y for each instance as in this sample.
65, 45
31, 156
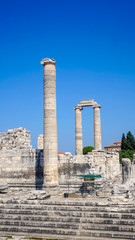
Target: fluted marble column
97, 127
50, 124
78, 130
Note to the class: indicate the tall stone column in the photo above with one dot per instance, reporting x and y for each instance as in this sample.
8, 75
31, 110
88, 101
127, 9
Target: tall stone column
78, 130
50, 124
97, 127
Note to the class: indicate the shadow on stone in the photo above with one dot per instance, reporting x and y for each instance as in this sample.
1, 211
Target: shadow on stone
39, 169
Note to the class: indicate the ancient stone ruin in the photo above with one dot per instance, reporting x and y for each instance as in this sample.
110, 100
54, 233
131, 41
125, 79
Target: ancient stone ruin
47, 195
40, 141
20, 165
15, 139
78, 125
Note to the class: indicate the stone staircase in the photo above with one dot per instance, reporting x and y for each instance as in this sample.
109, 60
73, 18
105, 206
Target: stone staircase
67, 219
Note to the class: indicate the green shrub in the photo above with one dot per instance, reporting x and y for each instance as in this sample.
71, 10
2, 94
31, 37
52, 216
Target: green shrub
87, 149
126, 154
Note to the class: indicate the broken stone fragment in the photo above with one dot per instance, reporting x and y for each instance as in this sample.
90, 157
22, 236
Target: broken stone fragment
3, 187
32, 197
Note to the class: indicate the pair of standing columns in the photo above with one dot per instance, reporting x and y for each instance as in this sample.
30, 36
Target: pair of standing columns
78, 129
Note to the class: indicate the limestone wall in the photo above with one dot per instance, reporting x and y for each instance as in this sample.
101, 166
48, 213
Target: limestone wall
18, 138
96, 162
17, 158
40, 141
25, 166
17, 164
22, 165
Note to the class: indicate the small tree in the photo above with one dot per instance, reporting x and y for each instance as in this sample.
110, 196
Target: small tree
123, 142
87, 149
127, 146
130, 141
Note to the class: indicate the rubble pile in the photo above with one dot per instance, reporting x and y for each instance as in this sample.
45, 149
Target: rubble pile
18, 138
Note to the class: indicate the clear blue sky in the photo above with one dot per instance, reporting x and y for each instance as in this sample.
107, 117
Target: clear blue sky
93, 43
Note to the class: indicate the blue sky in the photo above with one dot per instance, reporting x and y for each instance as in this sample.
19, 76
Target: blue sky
93, 43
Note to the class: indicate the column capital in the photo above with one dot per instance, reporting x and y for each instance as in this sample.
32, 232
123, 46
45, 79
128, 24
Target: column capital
96, 106
46, 61
77, 107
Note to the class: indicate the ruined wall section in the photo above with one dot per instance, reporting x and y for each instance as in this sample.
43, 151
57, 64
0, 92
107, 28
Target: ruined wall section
17, 158
21, 165
15, 139
40, 141
17, 165
96, 162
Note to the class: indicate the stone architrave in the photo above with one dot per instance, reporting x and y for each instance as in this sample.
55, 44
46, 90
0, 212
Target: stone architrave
50, 145
78, 130
97, 127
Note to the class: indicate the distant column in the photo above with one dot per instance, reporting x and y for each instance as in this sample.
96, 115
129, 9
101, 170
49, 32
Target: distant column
97, 128
50, 124
78, 130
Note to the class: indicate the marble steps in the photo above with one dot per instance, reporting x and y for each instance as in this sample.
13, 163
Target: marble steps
62, 207
83, 220
109, 234
64, 233
67, 212
67, 225
68, 203
68, 220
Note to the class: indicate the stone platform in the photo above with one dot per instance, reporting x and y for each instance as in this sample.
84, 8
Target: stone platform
65, 218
